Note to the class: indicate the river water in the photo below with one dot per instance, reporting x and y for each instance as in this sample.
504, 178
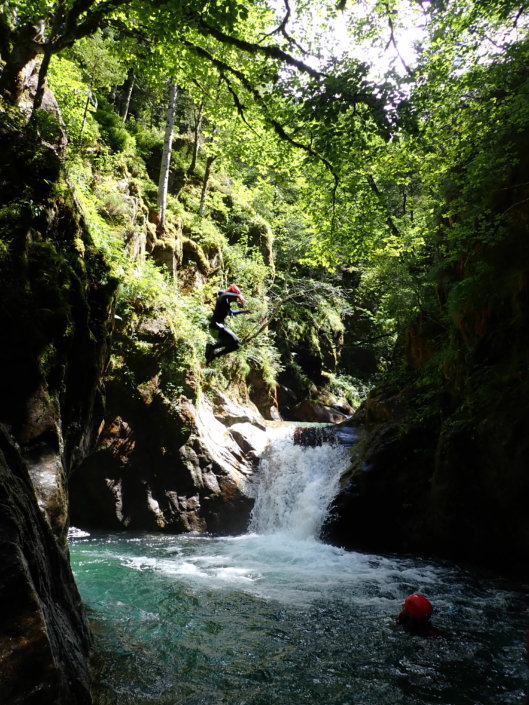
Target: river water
278, 617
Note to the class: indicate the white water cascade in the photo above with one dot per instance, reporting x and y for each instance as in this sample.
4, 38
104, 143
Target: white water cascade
296, 486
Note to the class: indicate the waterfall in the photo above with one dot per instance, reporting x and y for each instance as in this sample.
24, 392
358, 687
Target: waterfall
297, 484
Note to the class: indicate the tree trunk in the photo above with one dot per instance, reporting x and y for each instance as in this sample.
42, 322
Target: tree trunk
48, 51
196, 145
41, 84
126, 106
85, 114
205, 183
166, 160
194, 156
21, 62
5, 34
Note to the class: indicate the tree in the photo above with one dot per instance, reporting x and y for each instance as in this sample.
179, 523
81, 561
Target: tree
207, 172
128, 95
166, 158
101, 65
21, 44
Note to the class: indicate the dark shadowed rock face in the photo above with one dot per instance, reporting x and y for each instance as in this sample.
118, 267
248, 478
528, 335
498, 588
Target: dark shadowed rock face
459, 490
480, 487
44, 636
384, 501
55, 301
174, 467
56, 295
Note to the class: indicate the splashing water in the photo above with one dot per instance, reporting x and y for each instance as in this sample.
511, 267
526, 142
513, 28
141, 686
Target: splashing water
297, 484
276, 617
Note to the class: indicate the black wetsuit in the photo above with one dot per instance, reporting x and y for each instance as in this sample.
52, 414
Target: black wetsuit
228, 341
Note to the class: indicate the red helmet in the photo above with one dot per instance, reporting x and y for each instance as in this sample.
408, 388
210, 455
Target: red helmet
234, 289
419, 607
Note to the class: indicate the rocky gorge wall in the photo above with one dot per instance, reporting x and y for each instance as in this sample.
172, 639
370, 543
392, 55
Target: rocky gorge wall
44, 635
55, 322
442, 462
428, 486
167, 467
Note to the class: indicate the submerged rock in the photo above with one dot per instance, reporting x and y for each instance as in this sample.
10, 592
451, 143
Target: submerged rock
333, 434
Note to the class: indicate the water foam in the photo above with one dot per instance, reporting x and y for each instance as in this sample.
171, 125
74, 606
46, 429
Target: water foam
297, 485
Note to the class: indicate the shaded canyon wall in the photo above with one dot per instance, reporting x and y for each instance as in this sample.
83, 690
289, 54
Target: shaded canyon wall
55, 322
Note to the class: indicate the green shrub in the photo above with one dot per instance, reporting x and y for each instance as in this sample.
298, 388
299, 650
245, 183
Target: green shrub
148, 139
112, 129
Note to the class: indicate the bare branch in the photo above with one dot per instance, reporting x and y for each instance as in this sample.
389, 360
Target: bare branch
518, 15
238, 103
501, 47
271, 52
304, 294
372, 183
283, 30
514, 205
392, 41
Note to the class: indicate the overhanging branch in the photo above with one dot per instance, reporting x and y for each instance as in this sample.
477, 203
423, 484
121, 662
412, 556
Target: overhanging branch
271, 52
238, 103
282, 29
393, 41
225, 68
372, 183
92, 21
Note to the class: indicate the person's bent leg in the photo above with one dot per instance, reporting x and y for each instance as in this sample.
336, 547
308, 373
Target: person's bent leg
230, 343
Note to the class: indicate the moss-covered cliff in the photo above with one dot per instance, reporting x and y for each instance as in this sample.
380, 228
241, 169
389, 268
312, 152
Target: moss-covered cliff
55, 319
444, 451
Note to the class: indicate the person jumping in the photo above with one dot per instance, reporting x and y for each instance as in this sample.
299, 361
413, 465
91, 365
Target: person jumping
227, 340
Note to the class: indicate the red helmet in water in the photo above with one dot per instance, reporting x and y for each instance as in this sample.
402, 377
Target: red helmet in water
419, 607
234, 290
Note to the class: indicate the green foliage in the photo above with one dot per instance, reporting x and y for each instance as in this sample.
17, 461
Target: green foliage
67, 83
351, 389
112, 129
147, 138
99, 57
245, 265
387, 200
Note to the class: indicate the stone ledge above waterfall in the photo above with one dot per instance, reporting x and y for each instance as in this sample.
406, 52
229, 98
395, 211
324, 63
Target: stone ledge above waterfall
230, 412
